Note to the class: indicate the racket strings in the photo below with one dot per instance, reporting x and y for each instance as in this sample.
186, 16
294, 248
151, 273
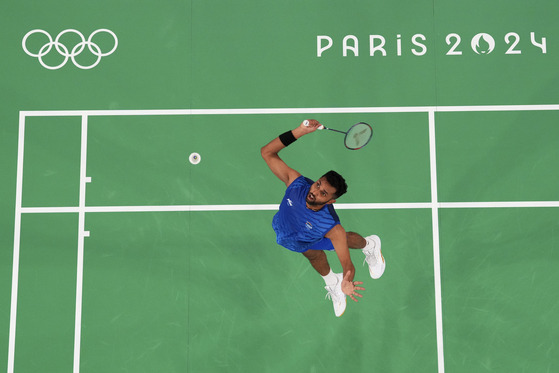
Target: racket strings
358, 136
361, 136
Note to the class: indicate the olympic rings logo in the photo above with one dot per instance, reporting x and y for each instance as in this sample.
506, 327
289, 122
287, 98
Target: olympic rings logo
65, 52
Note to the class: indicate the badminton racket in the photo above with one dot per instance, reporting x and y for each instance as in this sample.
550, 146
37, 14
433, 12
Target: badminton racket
356, 137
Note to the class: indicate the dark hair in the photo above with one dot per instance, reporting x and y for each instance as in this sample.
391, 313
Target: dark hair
337, 181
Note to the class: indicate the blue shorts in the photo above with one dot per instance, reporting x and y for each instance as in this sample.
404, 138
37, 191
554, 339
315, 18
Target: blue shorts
324, 244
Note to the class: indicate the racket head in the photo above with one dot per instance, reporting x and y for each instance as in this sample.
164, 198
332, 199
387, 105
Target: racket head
358, 136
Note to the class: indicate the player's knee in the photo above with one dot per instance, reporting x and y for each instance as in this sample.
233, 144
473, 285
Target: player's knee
313, 255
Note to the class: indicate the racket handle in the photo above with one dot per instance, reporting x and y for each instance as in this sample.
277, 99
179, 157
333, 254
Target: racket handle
306, 124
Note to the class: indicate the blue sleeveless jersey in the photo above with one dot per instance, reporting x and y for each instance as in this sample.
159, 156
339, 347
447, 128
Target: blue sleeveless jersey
297, 227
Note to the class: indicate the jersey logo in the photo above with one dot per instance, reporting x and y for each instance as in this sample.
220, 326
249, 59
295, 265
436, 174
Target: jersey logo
289, 202
308, 225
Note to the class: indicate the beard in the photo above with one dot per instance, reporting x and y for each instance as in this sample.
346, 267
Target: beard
311, 200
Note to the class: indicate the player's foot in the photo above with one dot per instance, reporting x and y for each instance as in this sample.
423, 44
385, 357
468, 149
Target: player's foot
337, 296
373, 256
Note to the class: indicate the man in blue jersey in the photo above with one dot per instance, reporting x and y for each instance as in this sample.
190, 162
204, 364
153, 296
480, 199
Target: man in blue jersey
307, 222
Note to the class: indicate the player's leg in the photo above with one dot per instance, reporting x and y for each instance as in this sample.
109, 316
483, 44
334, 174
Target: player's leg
371, 248
355, 240
319, 261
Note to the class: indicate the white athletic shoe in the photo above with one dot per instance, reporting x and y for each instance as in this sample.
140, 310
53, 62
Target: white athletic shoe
373, 257
337, 296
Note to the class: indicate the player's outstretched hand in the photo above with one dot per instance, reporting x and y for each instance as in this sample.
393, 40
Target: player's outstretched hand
349, 287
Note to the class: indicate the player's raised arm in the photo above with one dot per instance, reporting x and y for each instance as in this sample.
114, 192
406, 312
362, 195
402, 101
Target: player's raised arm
270, 151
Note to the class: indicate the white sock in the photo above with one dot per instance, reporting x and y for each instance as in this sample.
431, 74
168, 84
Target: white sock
330, 279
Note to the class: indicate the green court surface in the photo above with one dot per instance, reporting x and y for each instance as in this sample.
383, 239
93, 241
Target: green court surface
119, 255
496, 279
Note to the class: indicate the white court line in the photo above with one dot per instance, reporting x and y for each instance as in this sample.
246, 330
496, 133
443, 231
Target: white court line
436, 246
273, 207
190, 208
17, 236
463, 205
81, 235
340, 110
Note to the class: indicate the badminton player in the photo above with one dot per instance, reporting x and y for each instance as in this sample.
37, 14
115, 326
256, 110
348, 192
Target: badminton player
307, 222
